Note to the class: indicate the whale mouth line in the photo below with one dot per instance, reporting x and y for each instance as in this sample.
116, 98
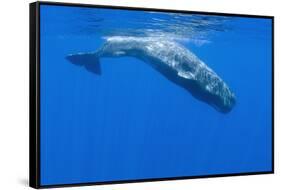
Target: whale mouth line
222, 110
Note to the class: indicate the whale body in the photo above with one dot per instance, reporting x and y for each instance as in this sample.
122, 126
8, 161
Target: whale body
174, 61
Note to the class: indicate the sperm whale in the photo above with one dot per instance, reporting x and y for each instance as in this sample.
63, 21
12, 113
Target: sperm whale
177, 63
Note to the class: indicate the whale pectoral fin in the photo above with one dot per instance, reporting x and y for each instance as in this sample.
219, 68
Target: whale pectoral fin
186, 75
89, 60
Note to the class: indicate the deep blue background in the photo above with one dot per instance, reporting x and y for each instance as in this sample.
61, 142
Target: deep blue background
130, 122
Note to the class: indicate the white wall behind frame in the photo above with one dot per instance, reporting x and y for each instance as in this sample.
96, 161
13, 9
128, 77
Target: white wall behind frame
14, 93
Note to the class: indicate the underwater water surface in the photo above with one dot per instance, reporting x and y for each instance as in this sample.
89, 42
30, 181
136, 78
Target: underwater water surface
127, 121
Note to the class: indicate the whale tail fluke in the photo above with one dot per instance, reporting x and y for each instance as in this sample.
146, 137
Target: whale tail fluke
89, 60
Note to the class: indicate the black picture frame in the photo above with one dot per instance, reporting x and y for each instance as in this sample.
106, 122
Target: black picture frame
34, 93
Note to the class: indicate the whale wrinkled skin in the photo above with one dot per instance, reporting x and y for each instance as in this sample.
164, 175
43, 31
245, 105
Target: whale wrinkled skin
174, 61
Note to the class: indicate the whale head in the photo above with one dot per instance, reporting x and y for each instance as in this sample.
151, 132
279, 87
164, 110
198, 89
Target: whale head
224, 101
216, 92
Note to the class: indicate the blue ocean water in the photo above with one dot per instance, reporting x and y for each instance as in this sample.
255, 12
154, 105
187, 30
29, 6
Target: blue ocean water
130, 122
